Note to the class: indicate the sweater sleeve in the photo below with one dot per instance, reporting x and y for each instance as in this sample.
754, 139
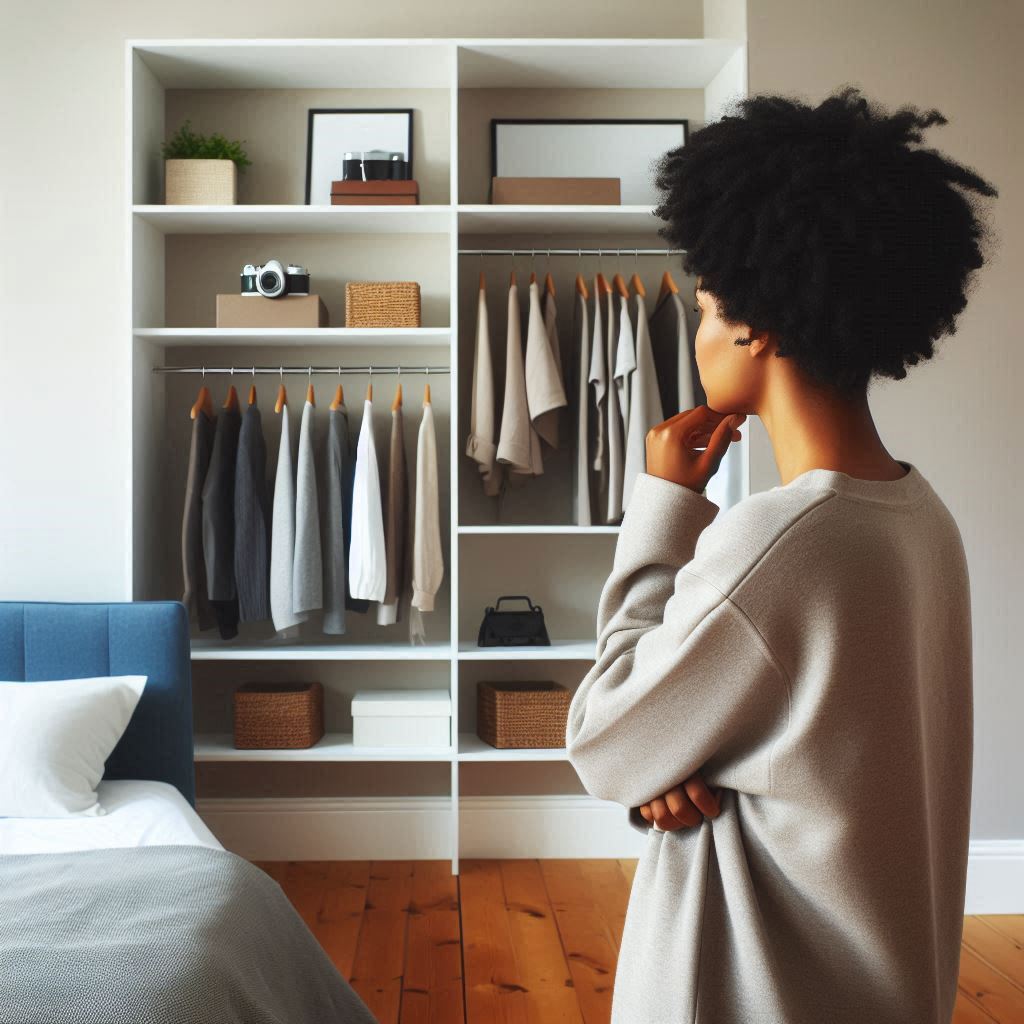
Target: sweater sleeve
681, 676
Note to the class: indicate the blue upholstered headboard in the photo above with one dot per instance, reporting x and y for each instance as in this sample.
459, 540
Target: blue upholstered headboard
41, 640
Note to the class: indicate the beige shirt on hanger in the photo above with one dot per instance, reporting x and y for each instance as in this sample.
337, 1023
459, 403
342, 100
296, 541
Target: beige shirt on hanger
427, 555
480, 445
616, 455
584, 424
625, 362
670, 338
518, 443
644, 404
545, 395
551, 323
598, 376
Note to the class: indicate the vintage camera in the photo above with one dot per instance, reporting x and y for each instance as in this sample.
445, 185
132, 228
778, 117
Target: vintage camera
375, 165
272, 280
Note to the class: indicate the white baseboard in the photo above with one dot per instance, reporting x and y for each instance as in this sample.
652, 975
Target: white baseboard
419, 828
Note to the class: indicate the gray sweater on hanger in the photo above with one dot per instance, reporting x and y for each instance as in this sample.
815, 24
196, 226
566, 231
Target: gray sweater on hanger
338, 457
193, 568
808, 652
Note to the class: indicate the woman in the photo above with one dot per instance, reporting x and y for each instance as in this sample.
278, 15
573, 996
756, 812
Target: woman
806, 654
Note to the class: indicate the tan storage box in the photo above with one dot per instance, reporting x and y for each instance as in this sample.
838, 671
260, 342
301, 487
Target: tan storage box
522, 713
561, 191
200, 182
278, 716
375, 193
259, 311
382, 304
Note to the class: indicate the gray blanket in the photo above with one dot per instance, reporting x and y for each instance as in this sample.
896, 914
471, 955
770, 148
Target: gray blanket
159, 934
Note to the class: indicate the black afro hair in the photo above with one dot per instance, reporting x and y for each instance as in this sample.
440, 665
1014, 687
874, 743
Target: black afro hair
823, 225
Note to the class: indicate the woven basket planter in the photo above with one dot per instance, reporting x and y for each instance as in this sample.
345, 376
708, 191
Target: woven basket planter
513, 714
200, 182
278, 716
382, 304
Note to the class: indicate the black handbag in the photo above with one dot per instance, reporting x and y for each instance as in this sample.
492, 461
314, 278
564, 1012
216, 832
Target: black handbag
513, 629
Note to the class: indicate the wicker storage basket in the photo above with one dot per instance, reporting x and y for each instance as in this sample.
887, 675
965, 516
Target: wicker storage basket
522, 713
200, 182
382, 304
278, 716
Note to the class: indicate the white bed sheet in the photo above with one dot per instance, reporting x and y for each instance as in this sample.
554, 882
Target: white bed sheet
138, 813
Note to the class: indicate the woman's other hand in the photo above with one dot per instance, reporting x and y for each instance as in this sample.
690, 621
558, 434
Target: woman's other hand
673, 446
682, 806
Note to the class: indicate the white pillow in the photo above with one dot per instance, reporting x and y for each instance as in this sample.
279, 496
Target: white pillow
54, 739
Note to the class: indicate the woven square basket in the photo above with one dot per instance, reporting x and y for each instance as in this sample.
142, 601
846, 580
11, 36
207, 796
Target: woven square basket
382, 304
278, 716
518, 713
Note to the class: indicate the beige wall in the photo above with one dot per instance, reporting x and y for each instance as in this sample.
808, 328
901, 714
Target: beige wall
63, 359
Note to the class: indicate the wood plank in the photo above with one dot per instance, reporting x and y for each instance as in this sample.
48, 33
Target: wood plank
495, 993
340, 917
989, 989
966, 1012
610, 887
996, 949
550, 995
1011, 925
380, 952
586, 934
432, 981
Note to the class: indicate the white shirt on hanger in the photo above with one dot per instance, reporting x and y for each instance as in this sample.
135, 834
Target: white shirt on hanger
645, 403
481, 445
307, 564
518, 443
616, 440
583, 465
367, 564
282, 538
599, 378
427, 556
545, 395
625, 362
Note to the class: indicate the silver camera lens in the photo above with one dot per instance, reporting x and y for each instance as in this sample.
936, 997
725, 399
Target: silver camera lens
270, 279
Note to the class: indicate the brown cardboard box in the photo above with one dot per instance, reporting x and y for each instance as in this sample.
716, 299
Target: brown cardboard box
568, 191
259, 311
384, 187
349, 200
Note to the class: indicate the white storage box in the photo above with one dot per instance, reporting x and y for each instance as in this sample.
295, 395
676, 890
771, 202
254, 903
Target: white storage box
401, 718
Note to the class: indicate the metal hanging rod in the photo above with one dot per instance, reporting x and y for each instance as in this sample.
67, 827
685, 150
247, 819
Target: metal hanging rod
244, 371
631, 251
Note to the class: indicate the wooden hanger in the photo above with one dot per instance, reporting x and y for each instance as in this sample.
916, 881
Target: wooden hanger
426, 393
667, 285
581, 286
282, 398
397, 403
483, 282
252, 394
549, 284
339, 398
638, 286
620, 285
203, 404
369, 390
602, 284
310, 397
512, 279
533, 277
231, 402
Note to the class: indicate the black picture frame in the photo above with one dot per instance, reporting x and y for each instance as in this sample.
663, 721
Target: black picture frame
310, 122
496, 121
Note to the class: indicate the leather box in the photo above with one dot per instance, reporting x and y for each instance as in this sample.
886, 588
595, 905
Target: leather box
561, 191
259, 311
405, 192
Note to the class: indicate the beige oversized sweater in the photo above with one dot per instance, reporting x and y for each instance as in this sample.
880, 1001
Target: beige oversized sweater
809, 651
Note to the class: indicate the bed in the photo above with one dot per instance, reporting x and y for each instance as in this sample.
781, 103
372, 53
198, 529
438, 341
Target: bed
139, 914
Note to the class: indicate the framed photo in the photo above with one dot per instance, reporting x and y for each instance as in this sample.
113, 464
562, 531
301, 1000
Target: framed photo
586, 148
333, 133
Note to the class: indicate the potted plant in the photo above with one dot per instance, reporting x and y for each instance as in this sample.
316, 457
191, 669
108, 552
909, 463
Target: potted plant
202, 169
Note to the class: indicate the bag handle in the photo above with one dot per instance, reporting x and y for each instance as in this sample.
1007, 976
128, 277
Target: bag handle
517, 597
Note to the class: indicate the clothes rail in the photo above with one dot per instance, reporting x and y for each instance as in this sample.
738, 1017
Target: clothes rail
244, 371
630, 251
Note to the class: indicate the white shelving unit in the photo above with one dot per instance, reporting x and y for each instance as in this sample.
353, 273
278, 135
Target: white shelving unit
181, 256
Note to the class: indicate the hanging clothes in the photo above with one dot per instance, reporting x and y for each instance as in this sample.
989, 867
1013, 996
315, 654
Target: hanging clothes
480, 445
193, 567
352, 604
518, 443
282, 538
427, 556
252, 520
645, 403
616, 439
598, 377
337, 461
307, 566
582, 482
545, 393
625, 361
678, 380
395, 522
219, 522
367, 558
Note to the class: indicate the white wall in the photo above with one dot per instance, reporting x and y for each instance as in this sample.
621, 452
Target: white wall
63, 428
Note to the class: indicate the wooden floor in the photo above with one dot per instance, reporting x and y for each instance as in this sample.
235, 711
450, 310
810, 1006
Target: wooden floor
533, 941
